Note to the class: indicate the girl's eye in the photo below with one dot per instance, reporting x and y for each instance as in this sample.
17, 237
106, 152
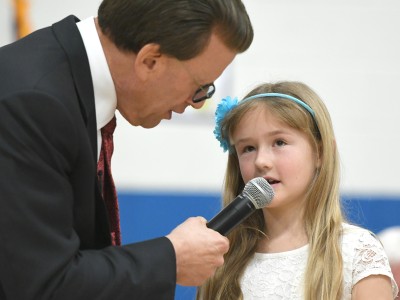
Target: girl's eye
247, 149
280, 143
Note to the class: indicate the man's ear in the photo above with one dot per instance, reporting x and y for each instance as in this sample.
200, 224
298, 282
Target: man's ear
149, 61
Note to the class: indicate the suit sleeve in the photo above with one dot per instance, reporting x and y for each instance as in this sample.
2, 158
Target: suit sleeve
40, 255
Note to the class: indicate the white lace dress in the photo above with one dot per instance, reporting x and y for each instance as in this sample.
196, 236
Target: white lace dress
271, 276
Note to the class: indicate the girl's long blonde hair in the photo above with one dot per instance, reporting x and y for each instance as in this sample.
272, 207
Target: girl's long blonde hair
322, 215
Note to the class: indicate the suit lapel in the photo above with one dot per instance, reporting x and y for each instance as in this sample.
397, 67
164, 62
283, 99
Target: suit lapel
69, 37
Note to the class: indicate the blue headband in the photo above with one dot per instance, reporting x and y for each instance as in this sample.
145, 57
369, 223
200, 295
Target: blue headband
227, 104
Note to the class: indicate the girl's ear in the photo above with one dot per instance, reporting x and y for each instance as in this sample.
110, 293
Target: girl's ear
319, 155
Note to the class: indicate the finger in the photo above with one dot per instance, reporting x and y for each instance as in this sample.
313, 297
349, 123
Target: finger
202, 219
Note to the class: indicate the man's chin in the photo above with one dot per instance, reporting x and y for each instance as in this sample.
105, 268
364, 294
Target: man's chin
151, 124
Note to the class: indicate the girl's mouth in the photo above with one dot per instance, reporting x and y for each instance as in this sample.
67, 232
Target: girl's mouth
273, 181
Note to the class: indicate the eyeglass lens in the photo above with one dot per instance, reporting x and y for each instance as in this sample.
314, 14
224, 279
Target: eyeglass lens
204, 92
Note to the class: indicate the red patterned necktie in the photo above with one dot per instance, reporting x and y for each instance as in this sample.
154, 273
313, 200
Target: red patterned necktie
106, 181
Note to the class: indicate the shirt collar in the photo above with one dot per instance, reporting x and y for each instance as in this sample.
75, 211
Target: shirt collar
105, 97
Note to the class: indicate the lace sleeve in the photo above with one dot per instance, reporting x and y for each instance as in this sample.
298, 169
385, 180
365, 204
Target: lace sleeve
371, 259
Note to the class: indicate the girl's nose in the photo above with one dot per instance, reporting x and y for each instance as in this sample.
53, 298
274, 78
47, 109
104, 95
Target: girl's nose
264, 159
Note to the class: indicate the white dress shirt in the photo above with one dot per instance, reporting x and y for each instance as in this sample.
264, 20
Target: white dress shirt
105, 97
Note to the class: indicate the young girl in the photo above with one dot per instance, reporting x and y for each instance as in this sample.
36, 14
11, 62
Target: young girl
299, 246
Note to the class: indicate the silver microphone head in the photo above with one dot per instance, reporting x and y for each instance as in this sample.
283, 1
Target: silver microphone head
259, 192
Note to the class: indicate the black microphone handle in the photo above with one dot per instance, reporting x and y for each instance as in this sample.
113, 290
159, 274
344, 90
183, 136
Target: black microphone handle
233, 214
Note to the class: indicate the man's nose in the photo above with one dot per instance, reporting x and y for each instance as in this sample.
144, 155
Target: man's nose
197, 105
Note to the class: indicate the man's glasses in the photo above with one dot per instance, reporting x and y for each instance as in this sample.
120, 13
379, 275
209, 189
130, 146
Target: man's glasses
204, 92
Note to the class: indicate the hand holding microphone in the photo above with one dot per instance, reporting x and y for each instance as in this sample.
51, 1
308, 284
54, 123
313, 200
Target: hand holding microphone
199, 250
256, 194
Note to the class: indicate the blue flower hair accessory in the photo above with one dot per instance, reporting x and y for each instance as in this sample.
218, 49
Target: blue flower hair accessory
225, 106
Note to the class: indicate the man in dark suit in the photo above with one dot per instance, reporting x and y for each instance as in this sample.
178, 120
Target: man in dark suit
59, 86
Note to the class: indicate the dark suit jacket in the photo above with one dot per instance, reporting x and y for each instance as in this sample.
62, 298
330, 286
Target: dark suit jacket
54, 232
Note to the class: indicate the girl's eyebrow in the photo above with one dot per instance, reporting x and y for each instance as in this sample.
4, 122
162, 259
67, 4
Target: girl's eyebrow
270, 134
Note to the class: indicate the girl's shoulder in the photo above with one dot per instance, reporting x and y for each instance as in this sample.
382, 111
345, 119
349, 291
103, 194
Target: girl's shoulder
354, 234
357, 242
363, 255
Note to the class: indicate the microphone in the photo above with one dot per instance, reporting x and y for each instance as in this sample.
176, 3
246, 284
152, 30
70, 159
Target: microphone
256, 194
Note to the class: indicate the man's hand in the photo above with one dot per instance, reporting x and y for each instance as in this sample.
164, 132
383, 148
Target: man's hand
199, 251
